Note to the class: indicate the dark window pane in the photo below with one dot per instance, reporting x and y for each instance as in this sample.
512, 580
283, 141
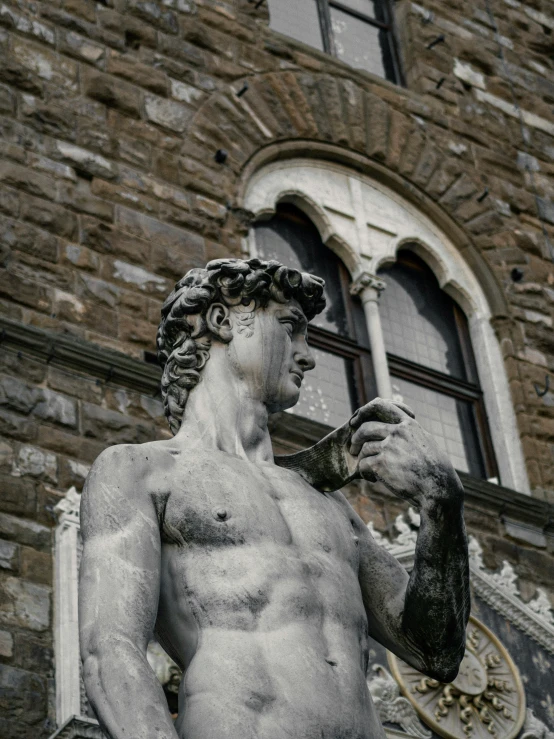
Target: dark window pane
298, 19
367, 7
450, 420
418, 318
292, 239
360, 44
327, 393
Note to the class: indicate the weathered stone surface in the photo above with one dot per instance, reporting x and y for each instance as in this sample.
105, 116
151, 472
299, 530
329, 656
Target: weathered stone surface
6, 644
22, 695
25, 604
9, 557
98, 104
25, 531
112, 92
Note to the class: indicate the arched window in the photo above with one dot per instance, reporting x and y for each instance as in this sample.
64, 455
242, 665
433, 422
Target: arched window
342, 378
358, 32
432, 365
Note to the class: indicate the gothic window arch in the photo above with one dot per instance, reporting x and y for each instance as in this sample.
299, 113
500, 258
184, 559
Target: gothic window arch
369, 225
358, 32
432, 365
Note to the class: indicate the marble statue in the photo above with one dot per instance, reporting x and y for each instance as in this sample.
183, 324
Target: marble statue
254, 573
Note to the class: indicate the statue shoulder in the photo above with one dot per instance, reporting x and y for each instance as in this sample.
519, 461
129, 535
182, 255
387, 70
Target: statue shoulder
127, 467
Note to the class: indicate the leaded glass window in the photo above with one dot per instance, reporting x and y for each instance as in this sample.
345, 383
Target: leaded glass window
359, 32
431, 363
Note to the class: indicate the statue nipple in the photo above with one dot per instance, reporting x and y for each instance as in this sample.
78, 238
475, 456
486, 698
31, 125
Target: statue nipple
221, 514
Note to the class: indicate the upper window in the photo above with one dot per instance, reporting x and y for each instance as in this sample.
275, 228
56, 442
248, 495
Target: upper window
431, 363
342, 378
359, 32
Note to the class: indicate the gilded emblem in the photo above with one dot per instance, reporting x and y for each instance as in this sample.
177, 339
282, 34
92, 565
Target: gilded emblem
485, 700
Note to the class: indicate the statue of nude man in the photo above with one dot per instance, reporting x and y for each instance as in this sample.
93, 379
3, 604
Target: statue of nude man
257, 577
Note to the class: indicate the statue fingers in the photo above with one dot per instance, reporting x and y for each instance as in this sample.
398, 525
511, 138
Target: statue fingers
378, 410
366, 469
403, 407
370, 431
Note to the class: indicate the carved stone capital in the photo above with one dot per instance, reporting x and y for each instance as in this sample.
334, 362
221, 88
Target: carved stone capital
67, 510
366, 281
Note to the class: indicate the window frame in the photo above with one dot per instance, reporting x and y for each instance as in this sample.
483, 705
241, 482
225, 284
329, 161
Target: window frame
466, 390
387, 25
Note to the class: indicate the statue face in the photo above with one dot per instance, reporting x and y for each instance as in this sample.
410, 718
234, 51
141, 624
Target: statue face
270, 352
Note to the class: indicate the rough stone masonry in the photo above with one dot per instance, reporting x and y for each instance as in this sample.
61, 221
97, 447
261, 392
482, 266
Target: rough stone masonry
110, 115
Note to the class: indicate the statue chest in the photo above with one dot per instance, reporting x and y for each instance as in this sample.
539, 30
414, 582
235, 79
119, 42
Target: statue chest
230, 502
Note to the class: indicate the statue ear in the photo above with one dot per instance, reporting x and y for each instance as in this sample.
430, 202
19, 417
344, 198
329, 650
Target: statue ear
218, 319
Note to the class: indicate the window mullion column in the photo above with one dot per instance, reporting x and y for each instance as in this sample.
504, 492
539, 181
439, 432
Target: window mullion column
368, 288
326, 30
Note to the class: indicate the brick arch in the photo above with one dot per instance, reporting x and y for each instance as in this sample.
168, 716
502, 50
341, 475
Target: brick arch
286, 114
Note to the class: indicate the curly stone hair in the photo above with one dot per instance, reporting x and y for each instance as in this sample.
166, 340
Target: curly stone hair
184, 339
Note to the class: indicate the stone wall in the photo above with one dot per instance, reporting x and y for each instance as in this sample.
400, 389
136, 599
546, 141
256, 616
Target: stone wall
111, 113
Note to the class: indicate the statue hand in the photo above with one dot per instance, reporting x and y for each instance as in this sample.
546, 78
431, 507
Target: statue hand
394, 451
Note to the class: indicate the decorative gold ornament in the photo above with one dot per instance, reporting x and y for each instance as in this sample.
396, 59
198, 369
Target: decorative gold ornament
485, 700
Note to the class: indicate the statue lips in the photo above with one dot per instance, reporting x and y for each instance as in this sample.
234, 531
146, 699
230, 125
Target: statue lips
299, 374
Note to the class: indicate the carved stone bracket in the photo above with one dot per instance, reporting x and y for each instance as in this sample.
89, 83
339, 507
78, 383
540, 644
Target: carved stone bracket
366, 281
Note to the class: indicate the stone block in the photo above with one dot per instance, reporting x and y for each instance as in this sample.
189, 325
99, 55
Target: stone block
9, 555
50, 217
106, 239
82, 258
143, 75
155, 14
34, 652
175, 261
79, 197
136, 331
46, 64
80, 47
25, 25
138, 277
7, 100
22, 696
6, 644
83, 8
15, 175
168, 113
16, 75
56, 408
6, 455
9, 202
36, 566
48, 117
36, 463
23, 237
19, 496
25, 292
84, 160
25, 532
18, 395
114, 428
112, 92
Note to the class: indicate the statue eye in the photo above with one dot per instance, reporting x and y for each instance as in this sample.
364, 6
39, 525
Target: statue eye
289, 324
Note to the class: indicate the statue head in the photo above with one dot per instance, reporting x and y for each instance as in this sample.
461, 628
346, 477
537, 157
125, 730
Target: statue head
185, 334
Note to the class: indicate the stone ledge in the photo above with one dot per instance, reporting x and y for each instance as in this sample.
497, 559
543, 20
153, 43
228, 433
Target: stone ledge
59, 350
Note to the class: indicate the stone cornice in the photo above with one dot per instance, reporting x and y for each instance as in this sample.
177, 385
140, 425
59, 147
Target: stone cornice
68, 352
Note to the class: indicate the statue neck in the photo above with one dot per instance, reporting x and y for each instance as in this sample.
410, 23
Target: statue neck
224, 413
